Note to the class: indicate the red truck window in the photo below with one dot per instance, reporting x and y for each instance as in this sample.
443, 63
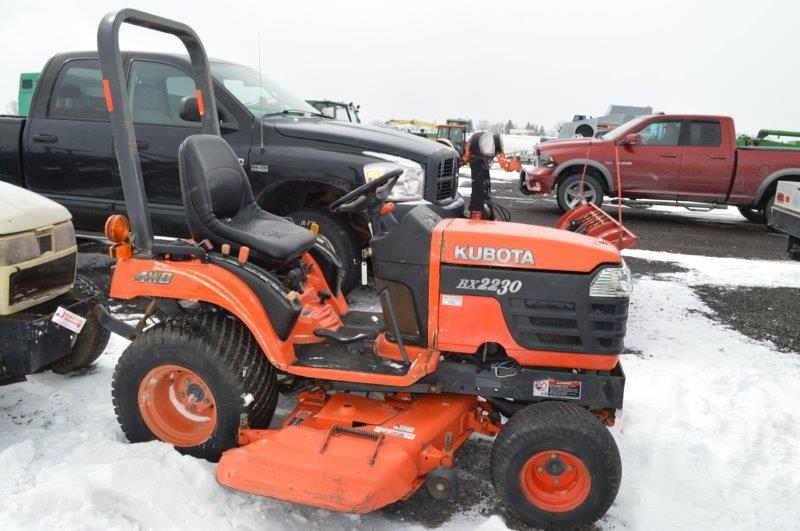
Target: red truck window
661, 133
704, 134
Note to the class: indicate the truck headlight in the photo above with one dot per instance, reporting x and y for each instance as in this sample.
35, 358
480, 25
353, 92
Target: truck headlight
18, 249
612, 282
410, 185
63, 237
545, 160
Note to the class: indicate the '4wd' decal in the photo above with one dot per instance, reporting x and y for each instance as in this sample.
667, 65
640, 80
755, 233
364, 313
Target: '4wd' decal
499, 285
154, 277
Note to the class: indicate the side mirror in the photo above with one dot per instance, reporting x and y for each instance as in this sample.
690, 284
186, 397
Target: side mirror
188, 109
631, 139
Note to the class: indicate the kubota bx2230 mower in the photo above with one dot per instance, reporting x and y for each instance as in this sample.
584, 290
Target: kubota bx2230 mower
482, 321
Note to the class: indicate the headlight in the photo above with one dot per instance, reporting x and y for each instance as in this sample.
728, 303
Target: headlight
18, 249
612, 282
63, 237
487, 145
410, 185
545, 159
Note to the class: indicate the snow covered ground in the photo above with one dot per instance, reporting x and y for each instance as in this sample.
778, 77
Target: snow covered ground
710, 437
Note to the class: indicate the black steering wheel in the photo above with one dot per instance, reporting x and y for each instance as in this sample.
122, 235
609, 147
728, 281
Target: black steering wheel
358, 199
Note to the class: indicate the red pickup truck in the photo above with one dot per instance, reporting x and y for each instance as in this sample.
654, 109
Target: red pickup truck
691, 160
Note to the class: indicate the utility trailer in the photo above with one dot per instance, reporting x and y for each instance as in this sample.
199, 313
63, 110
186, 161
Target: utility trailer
786, 215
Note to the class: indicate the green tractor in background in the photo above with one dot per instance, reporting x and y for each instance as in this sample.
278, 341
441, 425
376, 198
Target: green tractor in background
338, 110
455, 131
770, 138
27, 82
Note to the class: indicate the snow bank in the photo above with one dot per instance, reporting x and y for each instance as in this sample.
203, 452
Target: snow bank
720, 271
711, 428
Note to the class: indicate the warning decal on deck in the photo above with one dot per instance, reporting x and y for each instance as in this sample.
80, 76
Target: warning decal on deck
396, 433
452, 300
552, 388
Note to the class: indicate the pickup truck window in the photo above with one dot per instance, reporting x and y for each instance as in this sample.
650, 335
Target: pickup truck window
156, 90
661, 133
262, 98
704, 134
78, 92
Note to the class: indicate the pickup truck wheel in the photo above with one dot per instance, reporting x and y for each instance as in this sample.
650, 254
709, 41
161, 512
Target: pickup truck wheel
752, 215
568, 193
337, 234
91, 341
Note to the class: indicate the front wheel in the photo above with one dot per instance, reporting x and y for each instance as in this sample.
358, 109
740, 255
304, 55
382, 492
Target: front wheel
569, 193
189, 382
340, 238
91, 341
555, 465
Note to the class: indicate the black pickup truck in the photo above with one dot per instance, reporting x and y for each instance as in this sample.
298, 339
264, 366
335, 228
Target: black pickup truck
298, 160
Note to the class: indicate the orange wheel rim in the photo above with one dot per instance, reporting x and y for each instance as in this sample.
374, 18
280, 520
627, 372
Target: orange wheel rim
177, 405
555, 481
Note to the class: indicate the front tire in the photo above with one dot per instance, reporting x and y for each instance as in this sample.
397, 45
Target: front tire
189, 381
555, 465
568, 192
92, 339
339, 236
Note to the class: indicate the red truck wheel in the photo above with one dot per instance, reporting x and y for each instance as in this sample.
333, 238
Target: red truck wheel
569, 193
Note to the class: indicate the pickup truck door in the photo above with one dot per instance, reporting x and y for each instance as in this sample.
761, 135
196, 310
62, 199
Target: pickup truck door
707, 162
67, 144
652, 168
156, 89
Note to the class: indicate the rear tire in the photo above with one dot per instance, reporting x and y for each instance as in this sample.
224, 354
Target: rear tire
339, 236
568, 191
556, 466
585, 131
767, 212
752, 215
226, 375
93, 338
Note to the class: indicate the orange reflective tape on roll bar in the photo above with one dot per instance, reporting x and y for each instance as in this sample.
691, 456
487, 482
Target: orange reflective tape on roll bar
200, 107
107, 93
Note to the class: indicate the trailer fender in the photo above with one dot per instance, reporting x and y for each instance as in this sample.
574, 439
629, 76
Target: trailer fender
591, 163
205, 282
786, 174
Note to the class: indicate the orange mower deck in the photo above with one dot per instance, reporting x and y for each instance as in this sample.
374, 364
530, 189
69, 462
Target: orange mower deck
350, 453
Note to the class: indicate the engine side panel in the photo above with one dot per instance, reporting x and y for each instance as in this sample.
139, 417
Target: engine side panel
523, 310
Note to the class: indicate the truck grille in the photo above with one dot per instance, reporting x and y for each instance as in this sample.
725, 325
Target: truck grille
35, 282
446, 179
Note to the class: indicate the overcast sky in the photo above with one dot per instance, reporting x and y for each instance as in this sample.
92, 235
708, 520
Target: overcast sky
528, 61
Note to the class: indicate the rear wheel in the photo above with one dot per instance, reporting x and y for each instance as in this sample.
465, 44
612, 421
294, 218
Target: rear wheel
585, 131
767, 212
92, 339
569, 195
555, 465
189, 381
752, 215
340, 237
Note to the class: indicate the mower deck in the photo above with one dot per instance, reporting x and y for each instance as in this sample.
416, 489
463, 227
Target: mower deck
350, 453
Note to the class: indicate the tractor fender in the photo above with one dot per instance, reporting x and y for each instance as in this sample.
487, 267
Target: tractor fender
765, 185
206, 282
592, 163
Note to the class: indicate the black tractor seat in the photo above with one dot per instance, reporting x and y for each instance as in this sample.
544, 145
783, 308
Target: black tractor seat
220, 206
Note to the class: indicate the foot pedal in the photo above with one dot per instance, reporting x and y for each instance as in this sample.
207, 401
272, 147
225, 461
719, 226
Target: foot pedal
341, 338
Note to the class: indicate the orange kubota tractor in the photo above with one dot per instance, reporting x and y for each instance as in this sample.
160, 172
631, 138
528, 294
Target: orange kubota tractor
487, 327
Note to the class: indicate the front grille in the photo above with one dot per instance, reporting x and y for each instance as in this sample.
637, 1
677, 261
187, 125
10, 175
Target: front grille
552, 324
35, 282
446, 179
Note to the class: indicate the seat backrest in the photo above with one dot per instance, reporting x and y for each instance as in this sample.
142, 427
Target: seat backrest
214, 186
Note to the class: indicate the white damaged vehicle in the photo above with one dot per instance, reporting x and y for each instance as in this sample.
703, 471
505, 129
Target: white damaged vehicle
46, 317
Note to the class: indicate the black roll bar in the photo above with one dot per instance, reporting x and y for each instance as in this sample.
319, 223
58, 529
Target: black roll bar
116, 94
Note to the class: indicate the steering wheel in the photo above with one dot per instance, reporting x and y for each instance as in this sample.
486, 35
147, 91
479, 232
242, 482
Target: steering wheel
354, 200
